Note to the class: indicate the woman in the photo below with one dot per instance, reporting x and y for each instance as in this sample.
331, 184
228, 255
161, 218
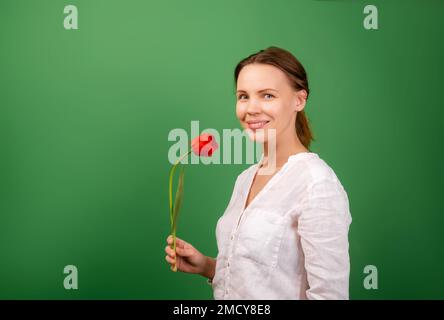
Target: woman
283, 235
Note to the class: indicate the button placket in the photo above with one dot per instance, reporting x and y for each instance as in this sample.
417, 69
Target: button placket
230, 253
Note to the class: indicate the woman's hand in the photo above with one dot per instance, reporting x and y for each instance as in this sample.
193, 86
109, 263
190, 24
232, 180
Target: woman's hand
188, 258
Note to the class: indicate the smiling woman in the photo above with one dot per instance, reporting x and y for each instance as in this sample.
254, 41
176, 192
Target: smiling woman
284, 234
274, 81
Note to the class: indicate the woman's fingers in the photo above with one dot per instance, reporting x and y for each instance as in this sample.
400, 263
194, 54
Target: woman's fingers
179, 242
170, 260
184, 252
170, 239
170, 251
180, 251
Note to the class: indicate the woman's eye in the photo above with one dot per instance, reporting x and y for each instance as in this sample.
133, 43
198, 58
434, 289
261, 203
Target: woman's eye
242, 97
268, 96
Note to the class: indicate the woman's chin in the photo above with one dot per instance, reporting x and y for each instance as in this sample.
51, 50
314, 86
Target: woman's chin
258, 135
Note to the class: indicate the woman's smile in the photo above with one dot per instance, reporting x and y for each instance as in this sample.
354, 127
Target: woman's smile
257, 124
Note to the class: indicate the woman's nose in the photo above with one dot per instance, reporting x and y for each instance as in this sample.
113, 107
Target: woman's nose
254, 107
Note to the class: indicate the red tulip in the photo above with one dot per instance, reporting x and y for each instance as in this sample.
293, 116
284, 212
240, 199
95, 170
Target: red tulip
204, 145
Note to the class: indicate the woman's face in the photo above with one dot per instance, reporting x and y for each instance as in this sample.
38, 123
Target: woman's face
266, 100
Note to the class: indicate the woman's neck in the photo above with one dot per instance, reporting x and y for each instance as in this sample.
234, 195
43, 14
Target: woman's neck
282, 152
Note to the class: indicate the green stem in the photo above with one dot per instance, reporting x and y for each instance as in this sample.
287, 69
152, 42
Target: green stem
173, 228
174, 248
173, 169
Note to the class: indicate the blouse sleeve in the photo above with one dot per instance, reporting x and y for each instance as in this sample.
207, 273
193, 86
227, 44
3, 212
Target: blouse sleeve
323, 227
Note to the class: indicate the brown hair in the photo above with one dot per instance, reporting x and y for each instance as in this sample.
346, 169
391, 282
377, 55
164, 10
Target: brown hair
295, 72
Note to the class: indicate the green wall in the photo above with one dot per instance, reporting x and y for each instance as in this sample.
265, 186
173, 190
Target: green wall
85, 116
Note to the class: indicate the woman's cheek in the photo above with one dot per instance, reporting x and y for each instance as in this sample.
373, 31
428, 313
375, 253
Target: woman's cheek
240, 111
268, 108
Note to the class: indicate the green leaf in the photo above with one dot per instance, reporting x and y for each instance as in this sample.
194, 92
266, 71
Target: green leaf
173, 168
170, 191
178, 200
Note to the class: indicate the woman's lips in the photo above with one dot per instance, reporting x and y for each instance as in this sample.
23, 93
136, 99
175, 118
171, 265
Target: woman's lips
254, 125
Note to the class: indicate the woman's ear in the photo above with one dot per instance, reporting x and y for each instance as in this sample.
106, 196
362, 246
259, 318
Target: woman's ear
300, 100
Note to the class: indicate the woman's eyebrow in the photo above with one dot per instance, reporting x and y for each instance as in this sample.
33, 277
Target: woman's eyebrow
262, 90
268, 89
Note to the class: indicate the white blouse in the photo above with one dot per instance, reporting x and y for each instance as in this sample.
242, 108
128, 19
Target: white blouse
291, 242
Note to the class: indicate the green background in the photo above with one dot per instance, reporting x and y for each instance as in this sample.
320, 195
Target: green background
85, 116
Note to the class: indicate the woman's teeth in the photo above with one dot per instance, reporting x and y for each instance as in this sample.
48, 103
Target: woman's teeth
257, 125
